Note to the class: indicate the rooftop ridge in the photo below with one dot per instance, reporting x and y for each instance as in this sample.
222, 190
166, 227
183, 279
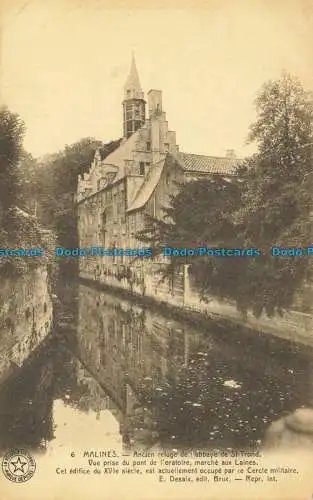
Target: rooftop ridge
210, 156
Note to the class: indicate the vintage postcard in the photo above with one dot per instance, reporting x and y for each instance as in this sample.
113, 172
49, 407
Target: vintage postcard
156, 250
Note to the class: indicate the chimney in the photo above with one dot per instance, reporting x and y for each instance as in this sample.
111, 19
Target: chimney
155, 102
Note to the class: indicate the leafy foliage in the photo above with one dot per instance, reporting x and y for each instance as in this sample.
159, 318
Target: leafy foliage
17, 228
12, 130
28, 182
277, 196
27, 234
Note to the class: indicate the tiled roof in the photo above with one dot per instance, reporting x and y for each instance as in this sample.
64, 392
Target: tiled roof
208, 164
190, 163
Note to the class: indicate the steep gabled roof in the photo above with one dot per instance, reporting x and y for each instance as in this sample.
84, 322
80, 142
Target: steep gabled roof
150, 183
207, 164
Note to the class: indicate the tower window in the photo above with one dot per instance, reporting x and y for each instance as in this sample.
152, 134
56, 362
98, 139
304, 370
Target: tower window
128, 93
148, 146
141, 168
129, 128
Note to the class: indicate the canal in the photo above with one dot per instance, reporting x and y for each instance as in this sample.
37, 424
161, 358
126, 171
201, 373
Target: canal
134, 376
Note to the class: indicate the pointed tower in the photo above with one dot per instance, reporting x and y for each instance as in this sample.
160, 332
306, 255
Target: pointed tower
134, 111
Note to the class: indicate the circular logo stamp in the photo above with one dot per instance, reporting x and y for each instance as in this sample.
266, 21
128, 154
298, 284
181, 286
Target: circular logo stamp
18, 466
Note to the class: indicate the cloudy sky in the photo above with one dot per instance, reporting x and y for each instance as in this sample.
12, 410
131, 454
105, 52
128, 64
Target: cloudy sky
64, 64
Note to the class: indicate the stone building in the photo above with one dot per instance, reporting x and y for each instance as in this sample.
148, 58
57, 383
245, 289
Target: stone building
133, 180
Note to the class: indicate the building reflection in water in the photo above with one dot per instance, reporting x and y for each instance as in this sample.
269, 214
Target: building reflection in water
180, 387
131, 377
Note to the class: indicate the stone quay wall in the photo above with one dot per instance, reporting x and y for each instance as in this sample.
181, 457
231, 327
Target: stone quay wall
25, 318
294, 326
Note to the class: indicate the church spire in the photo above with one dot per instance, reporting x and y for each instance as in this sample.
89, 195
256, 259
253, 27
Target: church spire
132, 86
134, 103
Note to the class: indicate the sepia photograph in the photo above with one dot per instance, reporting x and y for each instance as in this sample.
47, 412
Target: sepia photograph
156, 250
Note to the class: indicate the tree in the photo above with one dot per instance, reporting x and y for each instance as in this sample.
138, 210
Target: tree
277, 196
17, 228
12, 130
28, 183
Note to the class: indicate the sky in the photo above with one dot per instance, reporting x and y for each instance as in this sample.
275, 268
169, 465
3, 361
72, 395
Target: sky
64, 64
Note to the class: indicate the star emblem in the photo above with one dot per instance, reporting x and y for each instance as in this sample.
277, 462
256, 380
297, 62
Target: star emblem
18, 465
